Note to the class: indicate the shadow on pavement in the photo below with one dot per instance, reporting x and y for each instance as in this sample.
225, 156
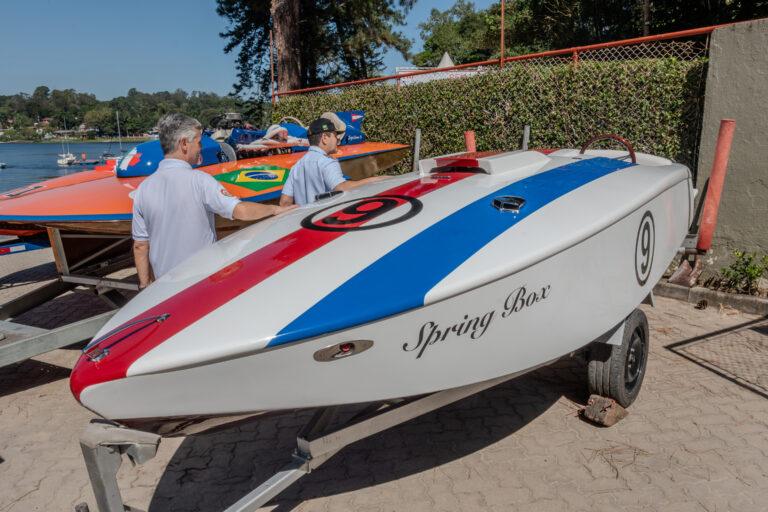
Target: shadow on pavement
749, 356
65, 309
211, 472
29, 374
36, 274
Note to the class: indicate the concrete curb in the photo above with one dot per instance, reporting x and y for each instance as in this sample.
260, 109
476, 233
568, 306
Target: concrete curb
744, 303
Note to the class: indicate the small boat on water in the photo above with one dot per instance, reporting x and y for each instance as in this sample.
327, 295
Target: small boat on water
479, 266
66, 159
3, 165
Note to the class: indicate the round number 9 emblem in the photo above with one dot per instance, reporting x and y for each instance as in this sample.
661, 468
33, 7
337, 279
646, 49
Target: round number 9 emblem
644, 248
360, 214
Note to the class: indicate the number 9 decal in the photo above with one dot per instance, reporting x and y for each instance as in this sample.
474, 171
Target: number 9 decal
644, 248
358, 214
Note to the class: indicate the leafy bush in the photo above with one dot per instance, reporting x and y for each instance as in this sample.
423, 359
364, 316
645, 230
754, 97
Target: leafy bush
743, 274
655, 103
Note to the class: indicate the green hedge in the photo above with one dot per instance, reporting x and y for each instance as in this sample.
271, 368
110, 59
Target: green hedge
655, 103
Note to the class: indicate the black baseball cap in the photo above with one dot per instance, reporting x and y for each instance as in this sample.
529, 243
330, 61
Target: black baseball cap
320, 125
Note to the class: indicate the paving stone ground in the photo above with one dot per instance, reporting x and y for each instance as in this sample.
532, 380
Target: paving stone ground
695, 440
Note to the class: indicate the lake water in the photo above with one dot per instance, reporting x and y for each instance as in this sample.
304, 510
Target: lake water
30, 163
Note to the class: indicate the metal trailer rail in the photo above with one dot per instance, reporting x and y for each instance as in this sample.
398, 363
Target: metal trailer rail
84, 270
103, 444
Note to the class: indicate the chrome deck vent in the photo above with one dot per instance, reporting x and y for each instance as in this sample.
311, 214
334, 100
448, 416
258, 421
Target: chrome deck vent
508, 203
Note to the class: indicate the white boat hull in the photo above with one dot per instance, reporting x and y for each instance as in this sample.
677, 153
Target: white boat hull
531, 295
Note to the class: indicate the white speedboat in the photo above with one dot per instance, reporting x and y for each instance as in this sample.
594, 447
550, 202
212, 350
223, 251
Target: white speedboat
66, 159
476, 267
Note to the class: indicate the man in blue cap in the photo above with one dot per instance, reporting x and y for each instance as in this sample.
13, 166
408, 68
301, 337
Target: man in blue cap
317, 173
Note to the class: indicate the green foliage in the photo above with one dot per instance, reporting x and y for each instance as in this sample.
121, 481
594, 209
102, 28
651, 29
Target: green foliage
648, 101
743, 274
139, 111
21, 133
102, 118
460, 31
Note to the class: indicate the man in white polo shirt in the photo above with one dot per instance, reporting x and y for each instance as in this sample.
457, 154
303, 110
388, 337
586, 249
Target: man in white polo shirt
173, 209
316, 172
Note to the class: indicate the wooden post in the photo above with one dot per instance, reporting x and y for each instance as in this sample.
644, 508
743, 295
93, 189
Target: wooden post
277, 75
271, 70
646, 17
501, 44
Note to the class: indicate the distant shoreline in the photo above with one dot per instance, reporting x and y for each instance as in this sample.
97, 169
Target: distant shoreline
77, 141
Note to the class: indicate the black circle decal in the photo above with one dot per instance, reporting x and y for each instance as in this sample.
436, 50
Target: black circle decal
359, 213
644, 248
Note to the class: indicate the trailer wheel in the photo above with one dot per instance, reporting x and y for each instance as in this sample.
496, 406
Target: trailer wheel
617, 371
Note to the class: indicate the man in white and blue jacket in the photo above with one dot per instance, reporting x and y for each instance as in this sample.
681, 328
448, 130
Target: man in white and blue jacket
317, 173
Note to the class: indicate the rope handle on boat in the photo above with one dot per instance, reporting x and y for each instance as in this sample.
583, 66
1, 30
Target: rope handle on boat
611, 136
95, 353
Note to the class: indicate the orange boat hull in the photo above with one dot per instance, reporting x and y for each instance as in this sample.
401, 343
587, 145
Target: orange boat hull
98, 201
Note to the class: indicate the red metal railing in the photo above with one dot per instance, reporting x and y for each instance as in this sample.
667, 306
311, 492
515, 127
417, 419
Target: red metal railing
573, 52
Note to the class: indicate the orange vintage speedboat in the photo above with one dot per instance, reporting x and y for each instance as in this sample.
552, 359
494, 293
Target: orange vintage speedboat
86, 216
99, 200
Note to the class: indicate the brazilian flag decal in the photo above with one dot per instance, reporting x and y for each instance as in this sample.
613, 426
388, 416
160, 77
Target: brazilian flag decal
257, 178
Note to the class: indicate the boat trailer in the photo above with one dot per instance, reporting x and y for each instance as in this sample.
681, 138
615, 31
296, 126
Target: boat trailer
104, 443
83, 261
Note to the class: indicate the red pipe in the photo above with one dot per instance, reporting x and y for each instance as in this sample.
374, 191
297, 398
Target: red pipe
469, 141
716, 180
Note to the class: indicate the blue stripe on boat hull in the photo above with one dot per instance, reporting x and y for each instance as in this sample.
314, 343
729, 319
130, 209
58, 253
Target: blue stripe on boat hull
452, 240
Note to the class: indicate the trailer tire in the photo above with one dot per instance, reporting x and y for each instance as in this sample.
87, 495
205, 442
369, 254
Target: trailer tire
617, 371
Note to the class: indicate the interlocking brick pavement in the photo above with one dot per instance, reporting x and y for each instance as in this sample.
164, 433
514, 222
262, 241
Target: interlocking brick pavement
695, 440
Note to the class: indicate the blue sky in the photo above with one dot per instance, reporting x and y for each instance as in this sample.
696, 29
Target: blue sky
106, 47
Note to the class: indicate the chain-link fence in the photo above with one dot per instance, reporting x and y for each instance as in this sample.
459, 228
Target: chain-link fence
649, 92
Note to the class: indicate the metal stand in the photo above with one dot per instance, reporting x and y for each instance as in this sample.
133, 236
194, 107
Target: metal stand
103, 446
317, 442
94, 257
102, 259
526, 137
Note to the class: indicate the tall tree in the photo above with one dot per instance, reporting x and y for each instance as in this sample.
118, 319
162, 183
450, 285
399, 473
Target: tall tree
285, 20
317, 41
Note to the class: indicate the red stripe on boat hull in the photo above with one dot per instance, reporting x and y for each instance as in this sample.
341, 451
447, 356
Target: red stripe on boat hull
207, 295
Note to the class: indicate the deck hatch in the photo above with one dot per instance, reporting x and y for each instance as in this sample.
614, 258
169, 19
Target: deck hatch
508, 203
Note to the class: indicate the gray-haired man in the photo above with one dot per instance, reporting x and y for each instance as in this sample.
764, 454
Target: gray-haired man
173, 209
